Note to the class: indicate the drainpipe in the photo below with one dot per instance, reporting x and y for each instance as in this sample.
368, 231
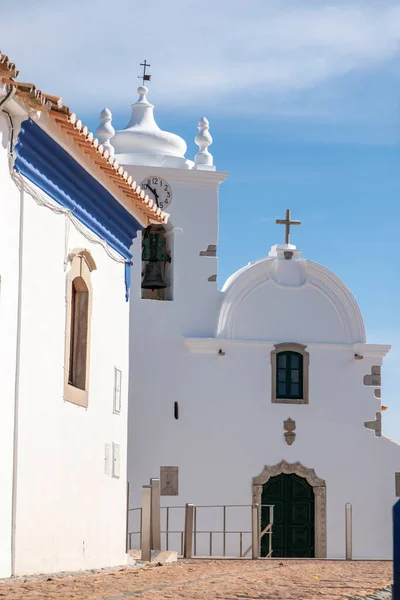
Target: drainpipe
3, 104
16, 388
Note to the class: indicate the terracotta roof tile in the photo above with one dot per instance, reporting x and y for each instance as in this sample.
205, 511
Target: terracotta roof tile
68, 123
7, 67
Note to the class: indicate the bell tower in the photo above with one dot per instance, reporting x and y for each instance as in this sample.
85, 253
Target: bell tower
174, 287
176, 263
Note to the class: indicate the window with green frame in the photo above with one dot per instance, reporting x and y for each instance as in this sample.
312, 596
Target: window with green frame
289, 375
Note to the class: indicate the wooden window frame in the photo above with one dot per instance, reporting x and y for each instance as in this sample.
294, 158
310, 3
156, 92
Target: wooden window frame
298, 349
81, 265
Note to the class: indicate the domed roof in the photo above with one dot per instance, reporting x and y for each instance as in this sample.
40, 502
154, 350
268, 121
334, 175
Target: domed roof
284, 297
142, 142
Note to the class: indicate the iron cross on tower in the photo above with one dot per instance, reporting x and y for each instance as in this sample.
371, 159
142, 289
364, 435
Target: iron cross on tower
287, 222
144, 77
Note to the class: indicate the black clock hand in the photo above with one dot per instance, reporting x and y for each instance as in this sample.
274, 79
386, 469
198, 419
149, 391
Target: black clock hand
153, 191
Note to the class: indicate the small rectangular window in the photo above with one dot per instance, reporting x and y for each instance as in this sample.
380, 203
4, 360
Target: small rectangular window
282, 390
117, 390
281, 361
282, 375
107, 458
116, 460
294, 390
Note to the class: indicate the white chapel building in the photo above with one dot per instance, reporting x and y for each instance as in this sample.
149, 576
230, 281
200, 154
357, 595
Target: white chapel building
265, 391
262, 392
68, 215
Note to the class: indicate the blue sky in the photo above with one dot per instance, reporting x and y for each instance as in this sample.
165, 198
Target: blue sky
303, 99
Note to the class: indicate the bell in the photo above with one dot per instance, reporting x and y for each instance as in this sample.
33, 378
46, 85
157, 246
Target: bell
152, 279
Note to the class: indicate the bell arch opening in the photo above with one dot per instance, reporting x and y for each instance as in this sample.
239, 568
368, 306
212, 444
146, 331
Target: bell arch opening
157, 272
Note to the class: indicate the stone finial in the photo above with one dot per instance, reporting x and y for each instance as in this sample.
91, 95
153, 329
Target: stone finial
143, 91
203, 159
105, 130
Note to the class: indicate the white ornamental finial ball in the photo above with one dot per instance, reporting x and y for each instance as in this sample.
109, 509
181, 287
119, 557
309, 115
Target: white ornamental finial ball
142, 91
203, 139
105, 130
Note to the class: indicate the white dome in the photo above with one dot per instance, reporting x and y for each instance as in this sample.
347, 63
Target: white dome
295, 300
142, 142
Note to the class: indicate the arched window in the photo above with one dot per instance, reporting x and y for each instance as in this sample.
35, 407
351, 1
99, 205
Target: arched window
79, 308
289, 380
79, 333
290, 364
156, 263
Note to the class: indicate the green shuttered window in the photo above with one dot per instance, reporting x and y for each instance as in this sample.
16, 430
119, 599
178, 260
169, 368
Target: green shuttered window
289, 375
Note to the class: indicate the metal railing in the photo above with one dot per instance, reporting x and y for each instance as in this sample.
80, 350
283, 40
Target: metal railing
138, 533
215, 533
165, 533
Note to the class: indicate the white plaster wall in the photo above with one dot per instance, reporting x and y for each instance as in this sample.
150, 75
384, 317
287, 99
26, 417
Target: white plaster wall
192, 310
296, 307
9, 226
70, 514
228, 429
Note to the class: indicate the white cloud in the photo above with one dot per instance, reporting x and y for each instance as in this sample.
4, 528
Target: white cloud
257, 54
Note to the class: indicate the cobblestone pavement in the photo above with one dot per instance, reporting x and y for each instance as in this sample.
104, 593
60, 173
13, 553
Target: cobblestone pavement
214, 580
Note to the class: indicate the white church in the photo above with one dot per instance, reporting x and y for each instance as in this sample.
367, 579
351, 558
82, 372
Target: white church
265, 391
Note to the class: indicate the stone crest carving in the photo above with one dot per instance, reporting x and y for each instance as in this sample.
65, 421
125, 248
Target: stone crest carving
289, 426
319, 488
169, 481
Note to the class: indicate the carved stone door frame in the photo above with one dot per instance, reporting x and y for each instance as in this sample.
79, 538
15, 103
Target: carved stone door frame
319, 488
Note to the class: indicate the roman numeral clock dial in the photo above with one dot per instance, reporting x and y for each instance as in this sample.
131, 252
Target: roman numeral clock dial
158, 190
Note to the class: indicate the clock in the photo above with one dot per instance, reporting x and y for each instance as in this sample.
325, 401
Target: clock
158, 190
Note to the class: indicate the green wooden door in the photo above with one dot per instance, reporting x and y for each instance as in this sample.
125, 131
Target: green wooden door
293, 526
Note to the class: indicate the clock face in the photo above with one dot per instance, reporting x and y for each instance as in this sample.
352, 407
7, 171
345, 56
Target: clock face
158, 190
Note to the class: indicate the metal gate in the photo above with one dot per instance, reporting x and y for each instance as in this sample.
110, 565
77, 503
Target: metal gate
213, 535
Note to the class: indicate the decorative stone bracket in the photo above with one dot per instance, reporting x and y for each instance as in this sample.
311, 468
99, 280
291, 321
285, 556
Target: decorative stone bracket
375, 425
373, 378
211, 250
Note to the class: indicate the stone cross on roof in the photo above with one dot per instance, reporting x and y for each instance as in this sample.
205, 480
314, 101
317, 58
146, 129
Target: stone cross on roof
287, 222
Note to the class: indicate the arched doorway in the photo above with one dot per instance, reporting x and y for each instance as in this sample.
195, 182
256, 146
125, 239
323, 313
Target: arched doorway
293, 527
318, 486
